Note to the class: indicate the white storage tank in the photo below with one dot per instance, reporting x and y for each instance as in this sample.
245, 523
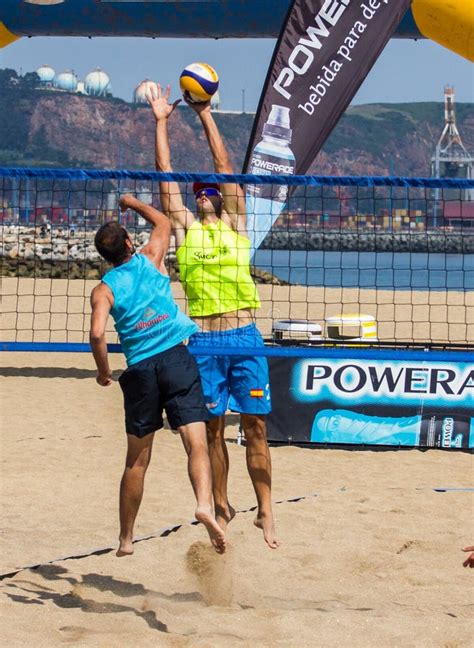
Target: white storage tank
97, 83
46, 75
139, 96
66, 80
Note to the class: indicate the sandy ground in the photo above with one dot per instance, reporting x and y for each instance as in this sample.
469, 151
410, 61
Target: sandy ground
370, 556
58, 310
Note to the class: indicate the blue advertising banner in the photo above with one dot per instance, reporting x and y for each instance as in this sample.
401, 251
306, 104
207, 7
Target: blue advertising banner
372, 402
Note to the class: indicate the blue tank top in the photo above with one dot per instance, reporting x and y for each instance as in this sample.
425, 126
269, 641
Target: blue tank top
147, 319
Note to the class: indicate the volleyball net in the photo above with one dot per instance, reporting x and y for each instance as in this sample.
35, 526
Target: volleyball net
386, 260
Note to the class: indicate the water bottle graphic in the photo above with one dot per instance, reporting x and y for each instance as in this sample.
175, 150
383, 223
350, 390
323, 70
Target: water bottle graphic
271, 156
437, 430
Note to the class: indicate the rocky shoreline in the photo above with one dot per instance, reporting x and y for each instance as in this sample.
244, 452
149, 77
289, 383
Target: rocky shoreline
26, 252
56, 269
440, 242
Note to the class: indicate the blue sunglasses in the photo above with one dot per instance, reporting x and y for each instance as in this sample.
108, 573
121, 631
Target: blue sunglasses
210, 191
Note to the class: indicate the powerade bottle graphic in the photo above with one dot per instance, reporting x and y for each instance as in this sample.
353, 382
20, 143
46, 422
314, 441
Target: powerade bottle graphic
271, 156
428, 430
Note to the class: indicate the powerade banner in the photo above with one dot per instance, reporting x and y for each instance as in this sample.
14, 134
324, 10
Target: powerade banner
372, 402
325, 50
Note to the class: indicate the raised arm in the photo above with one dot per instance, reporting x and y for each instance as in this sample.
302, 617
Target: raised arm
159, 240
170, 194
234, 199
101, 303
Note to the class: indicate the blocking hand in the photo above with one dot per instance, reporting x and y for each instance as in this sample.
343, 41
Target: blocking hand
159, 101
199, 107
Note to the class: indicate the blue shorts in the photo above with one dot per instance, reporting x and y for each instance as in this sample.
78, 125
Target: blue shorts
238, 383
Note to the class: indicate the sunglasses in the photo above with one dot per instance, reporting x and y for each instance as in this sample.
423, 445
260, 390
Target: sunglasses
210, 191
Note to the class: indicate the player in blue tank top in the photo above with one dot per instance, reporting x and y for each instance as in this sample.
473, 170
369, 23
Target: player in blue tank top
161, 373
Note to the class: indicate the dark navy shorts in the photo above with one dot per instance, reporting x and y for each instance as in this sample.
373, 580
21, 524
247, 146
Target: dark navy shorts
166, 381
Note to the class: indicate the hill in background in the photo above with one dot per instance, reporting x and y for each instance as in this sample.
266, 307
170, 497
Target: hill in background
59, 129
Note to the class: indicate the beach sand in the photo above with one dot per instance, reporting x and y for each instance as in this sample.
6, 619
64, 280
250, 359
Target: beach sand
370, 555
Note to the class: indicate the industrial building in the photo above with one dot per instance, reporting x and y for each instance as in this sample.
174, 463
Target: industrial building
139, 94
451, 159
96, 83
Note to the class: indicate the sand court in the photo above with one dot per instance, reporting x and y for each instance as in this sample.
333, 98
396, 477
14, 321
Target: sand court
370, 555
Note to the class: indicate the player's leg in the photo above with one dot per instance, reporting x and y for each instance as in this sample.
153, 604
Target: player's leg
143, 416
186, 409
194, 440
250, 395
259, 466
131, 487
213, 371
220, 469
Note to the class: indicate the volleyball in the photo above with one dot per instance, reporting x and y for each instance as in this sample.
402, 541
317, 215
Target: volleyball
198, 82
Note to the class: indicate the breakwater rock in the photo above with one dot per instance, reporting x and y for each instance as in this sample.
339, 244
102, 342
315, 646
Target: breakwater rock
30, 252
337, 241
95, 269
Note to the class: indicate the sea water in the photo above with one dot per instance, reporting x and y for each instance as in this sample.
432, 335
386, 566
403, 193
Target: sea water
371, 270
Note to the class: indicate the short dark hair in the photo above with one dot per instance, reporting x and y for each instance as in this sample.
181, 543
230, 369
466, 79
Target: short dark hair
110, 242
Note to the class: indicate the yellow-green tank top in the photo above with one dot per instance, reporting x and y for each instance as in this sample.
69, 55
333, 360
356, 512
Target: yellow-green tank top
214, 264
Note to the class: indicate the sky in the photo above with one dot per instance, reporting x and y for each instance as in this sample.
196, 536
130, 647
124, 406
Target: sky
406, 71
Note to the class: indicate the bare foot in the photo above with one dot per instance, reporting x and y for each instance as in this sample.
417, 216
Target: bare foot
125, 548
265, 522
216, 534
224, 516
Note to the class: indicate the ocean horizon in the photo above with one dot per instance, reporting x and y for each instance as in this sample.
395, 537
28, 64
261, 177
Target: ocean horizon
370, 270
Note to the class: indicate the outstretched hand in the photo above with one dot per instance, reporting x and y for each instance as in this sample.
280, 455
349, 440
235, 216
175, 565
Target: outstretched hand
159, 101
200, 107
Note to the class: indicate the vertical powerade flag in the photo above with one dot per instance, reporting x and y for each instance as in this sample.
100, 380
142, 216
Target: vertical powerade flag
325, 50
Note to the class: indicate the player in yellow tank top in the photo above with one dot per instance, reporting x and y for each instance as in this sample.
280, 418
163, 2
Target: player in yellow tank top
214, 259
214, 264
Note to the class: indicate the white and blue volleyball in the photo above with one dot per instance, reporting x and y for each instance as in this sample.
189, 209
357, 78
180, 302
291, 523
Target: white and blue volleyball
198, 82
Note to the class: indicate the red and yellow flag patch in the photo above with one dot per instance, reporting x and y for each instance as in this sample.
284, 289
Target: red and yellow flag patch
256, 393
